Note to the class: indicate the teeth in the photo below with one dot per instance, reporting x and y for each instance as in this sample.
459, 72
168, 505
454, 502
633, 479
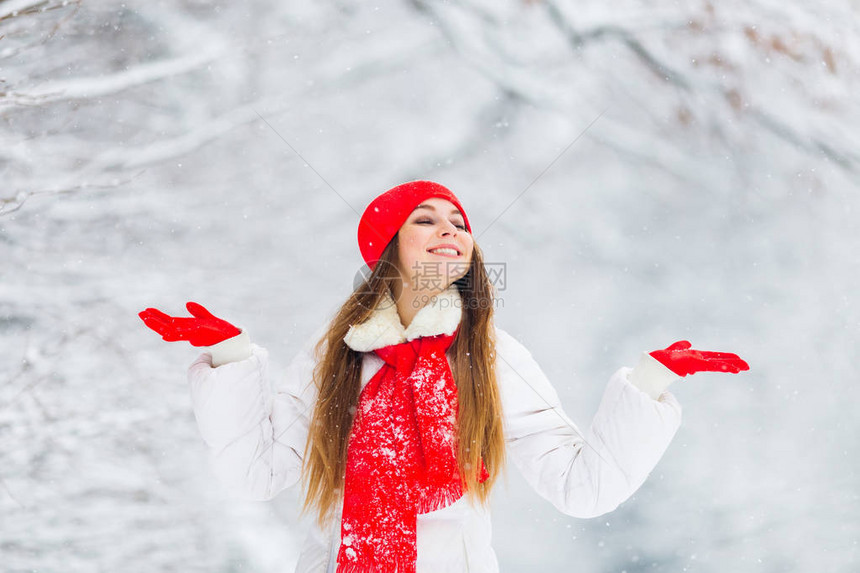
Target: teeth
444, 250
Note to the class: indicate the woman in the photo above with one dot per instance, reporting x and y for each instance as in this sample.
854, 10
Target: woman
399, 420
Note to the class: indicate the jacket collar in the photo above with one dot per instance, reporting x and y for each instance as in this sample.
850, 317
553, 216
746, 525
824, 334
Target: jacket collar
441, 315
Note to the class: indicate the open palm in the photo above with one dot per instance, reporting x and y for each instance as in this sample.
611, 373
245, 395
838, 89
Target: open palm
202, 328
681, 359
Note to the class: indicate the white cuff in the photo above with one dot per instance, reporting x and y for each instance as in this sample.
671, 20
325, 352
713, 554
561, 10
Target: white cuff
651, 376
233, 349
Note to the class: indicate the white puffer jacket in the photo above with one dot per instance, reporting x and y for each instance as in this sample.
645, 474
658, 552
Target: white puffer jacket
257, 437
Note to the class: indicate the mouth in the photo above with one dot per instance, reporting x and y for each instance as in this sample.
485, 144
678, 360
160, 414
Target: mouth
445, 252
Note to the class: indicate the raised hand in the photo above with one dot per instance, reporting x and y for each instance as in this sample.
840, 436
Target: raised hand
201, 329
683, 360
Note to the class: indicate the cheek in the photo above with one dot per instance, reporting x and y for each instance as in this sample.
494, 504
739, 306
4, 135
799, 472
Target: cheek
410, 242
470, 248
416, 238
410, 245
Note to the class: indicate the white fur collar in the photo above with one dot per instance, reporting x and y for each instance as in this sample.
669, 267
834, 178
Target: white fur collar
439, 316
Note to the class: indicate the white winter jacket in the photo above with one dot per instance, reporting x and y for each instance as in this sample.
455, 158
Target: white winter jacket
257, 437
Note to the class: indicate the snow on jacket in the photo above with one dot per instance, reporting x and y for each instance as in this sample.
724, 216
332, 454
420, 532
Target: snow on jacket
257, 437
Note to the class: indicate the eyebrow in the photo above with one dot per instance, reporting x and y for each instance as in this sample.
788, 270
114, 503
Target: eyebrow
425, 206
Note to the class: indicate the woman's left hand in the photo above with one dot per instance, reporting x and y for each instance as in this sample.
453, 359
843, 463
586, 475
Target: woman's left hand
683, 360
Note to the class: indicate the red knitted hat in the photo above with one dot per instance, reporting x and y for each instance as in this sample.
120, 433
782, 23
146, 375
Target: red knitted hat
386, 214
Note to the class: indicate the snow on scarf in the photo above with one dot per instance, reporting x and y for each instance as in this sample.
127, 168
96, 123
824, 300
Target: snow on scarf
402, 452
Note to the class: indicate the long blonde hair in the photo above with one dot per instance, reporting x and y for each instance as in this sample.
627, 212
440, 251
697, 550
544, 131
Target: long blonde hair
337, 376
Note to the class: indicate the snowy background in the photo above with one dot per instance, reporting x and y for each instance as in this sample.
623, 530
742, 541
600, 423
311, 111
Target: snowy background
654, 172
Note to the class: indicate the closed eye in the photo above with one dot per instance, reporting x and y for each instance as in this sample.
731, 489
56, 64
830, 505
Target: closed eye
423, 221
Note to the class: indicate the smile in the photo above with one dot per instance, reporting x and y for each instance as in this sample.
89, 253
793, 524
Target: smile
445, 252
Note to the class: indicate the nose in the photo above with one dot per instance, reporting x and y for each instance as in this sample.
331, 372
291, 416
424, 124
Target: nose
449, 229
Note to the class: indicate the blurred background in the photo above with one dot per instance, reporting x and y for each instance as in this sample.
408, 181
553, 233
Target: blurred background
645, 172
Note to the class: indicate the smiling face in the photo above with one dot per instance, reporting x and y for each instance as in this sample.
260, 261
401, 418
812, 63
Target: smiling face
433, 225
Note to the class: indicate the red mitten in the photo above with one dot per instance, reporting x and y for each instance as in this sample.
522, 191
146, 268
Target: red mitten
683, 360
204, 329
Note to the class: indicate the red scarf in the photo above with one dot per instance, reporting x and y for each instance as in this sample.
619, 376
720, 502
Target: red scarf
401, 457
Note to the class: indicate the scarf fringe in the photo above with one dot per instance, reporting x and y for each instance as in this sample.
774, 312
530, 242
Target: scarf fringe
359, 568
445, 496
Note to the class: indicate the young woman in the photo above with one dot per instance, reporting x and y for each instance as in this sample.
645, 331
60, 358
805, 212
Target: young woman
400, 418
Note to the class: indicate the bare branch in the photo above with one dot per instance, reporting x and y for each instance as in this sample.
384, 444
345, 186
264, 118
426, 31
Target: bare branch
11, 204
85, 88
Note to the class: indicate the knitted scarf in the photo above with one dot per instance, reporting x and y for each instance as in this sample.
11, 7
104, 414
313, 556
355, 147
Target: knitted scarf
401, 457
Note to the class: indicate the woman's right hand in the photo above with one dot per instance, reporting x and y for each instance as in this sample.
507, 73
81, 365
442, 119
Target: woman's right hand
201, 329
